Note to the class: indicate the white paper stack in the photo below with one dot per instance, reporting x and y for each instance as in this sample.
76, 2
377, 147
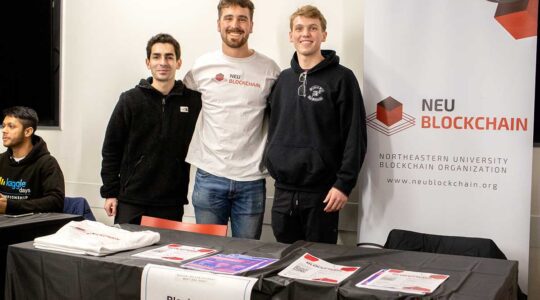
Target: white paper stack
403, 281
94, 238
175, 253
309, 267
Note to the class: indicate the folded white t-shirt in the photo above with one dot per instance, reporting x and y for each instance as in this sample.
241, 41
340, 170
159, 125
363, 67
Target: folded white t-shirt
95, 238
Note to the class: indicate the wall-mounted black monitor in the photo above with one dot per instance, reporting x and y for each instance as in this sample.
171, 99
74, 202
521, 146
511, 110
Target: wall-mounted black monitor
30, 57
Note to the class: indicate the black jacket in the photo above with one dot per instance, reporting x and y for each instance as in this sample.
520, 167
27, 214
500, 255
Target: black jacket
146, 144
34, 184
319, 140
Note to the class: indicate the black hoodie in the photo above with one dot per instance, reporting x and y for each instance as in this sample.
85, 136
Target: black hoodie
146, 144
316, 140
34, 184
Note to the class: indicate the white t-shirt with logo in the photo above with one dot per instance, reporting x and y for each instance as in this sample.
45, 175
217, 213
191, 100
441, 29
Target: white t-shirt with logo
231, 131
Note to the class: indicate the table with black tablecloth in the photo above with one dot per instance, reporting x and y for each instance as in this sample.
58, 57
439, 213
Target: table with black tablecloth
40, 274
26, 228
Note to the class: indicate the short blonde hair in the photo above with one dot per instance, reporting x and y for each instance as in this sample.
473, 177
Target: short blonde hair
308, 11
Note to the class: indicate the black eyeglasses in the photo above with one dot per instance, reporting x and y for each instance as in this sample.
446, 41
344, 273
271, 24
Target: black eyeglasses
302, 88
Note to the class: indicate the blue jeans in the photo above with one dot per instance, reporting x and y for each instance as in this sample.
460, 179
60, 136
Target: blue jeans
216, 199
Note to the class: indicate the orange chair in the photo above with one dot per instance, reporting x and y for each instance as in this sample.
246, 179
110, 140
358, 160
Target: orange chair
212, 229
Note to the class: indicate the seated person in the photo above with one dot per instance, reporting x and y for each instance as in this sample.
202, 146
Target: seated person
30, 178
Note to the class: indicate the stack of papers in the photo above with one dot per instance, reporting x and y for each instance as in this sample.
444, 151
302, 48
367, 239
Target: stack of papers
175, 253
94, 238
309, 267
403, 281
229, 263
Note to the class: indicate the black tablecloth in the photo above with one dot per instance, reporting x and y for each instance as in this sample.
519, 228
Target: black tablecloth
39, 274
22, 229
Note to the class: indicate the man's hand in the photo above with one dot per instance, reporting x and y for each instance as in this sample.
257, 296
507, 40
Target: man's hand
335, 200
3, 204
110, 206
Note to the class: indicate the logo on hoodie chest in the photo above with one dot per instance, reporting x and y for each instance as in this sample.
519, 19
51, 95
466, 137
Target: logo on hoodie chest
316, 93
19, 185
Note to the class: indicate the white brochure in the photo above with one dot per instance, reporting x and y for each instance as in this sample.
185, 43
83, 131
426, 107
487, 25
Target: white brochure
162, 282
403, 281
175, 252
309, 267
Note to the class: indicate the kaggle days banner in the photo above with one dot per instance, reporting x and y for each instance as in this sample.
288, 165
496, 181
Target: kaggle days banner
449, 96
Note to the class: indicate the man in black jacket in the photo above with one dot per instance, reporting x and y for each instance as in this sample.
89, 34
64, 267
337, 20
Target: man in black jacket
144, 170
317, 136
30, 178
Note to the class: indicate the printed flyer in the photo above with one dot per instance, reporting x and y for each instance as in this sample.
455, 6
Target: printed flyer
229, 263
403, 281
309, 267
175, 253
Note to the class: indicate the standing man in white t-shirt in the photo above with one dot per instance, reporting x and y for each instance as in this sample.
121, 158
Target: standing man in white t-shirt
230, 134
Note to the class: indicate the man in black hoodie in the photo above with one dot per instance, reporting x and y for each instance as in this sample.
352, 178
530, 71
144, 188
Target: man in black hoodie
30, 178
317, 136
144, 170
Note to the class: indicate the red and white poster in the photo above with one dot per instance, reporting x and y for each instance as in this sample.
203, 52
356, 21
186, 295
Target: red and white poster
449, 94
309, 267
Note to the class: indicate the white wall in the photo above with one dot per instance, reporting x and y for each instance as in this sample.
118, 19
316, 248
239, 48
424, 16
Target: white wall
103, 52
534, 254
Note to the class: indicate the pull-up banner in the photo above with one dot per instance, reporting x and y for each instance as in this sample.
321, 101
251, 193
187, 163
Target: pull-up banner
449, 93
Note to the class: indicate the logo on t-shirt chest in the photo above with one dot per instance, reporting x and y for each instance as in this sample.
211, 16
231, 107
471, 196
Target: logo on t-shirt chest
236, 79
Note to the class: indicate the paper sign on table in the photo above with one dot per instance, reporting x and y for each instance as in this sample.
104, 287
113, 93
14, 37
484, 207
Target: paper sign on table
403, 281
175, 253
309, 267
163, 282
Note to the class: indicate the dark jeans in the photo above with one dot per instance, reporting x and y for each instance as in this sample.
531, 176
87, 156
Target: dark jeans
130, 213
301, 216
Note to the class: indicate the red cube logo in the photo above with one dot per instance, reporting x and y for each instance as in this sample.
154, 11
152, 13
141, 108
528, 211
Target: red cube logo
518, 17
389, 111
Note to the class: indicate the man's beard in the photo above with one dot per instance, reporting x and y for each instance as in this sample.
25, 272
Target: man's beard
15, 141
236, 43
